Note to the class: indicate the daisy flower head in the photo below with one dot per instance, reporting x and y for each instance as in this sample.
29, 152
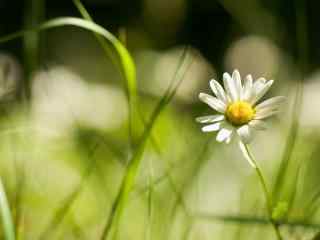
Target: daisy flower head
238, 107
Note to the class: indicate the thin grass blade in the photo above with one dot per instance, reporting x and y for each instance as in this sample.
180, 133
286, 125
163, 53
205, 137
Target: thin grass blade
250, 220
125, 58
128, 75
132, 170
303, 61
6, 217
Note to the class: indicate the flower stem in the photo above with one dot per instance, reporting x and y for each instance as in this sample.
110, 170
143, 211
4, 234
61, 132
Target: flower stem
264, 187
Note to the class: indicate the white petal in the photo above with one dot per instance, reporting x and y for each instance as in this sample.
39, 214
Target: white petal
213, 102
245, 133
257, 86
212, 127
266, 110
228, 140
260, 92
259, 83
237, 81
265, 114
248, 88
230, 87
210, 118
258, 124
218, 90
246, 155
262, 111
223, 134
271, 102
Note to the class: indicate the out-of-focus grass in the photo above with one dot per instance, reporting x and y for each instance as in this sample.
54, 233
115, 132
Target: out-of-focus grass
133, 167
184, 186
6, 218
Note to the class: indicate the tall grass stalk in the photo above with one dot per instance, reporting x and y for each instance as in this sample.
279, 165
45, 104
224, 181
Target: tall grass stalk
302, 63
6, 218
128, 75
133, 167
33, 16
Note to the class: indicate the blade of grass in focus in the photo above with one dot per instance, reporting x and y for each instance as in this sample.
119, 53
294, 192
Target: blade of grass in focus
131, 91
6, 218
106, 47
133, 167
124, 56
128, 75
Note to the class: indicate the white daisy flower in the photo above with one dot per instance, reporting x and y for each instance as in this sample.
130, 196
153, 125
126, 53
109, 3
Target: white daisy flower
237, 105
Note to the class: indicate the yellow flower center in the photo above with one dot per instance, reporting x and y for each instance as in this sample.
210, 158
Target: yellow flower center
239, 112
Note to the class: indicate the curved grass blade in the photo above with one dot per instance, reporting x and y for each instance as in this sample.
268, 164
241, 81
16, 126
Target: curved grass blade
106, 47
6, 218
131, 89
126, 60
133, 104
132, 169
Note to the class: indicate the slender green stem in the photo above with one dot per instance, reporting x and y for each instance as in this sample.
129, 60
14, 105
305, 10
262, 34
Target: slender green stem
265, 190
5, 213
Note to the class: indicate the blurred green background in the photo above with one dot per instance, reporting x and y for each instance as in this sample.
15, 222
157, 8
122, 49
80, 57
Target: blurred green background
69, 136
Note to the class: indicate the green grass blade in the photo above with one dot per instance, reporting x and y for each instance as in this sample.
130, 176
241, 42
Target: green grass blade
252, 220
179, 201
148, 234
132, 169
126, 61
128, 75
34, 15
303, 51
6, 218
106, 47
124, 56
294, 188
132, 96
60, 214
290, 143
